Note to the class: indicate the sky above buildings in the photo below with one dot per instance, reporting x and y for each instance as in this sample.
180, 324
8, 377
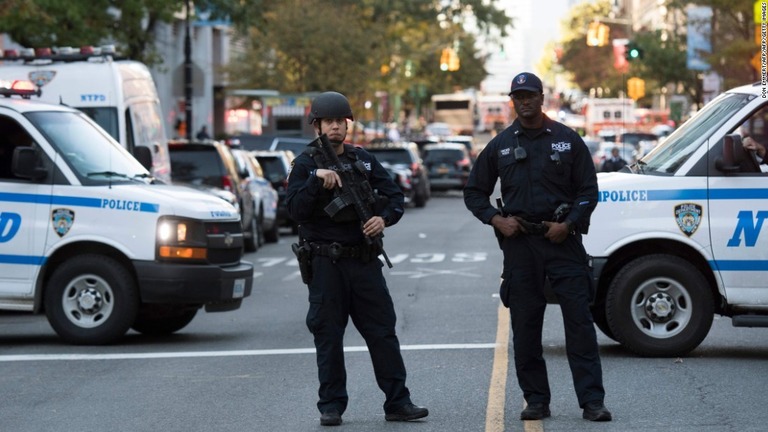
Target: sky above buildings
536, 23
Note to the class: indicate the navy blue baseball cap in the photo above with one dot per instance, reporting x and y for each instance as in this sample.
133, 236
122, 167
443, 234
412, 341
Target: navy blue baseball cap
526, 81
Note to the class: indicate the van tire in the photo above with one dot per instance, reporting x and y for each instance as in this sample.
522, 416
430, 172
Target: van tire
91, 300
251, 243
660, 306
158, 320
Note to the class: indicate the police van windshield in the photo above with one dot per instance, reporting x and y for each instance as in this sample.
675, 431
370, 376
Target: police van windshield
106, 118
90, 153
668, 157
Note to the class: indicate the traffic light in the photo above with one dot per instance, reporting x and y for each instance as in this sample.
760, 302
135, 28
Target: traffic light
633, 52
635, 88
445, 57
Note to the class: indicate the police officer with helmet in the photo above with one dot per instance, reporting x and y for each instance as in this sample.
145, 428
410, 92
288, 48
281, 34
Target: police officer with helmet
345, 275
549, 190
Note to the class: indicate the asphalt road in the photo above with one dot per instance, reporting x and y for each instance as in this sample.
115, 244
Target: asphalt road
254, 369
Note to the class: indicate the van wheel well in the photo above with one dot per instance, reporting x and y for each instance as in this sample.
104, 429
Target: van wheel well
70, 251
651, 247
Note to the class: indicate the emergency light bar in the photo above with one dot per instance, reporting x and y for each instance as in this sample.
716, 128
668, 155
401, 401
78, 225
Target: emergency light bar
22, 88
63, 54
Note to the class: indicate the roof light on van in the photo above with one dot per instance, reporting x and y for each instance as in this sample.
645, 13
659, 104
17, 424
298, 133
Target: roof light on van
65, 51
22, 88
42, 52
10, 53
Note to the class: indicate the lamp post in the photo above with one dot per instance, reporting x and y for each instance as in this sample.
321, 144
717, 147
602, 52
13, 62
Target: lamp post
188, 76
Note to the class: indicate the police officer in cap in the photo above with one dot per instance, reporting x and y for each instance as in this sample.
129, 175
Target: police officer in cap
347, 279
549, 190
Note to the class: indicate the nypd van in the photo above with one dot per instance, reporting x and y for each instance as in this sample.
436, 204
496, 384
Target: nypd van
90, 240
118, 94
682, 234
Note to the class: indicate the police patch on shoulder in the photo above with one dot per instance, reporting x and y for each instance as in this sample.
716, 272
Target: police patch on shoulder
62, 220
505, 151
561, 146
688, 217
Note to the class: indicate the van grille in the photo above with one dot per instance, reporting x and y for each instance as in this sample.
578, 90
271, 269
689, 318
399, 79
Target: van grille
225, 242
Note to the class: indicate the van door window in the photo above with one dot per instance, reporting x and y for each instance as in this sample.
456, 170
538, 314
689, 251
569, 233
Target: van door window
12, 135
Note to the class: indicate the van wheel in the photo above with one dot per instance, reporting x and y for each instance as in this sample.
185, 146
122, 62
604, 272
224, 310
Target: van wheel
91, 300
660, 306
251, 241
420, 199
158, 320
601, 320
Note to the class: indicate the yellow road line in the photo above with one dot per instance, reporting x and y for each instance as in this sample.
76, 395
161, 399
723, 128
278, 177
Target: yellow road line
494, 413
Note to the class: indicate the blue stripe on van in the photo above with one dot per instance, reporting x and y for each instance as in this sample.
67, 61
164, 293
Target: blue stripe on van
73, 201
739, 265
22, 259
703, 194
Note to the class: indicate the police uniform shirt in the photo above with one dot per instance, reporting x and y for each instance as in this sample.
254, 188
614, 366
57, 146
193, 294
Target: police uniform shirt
557, 168
306, 198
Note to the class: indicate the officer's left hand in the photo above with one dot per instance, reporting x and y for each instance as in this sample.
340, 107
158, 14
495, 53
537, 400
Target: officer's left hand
557, 232
374, 226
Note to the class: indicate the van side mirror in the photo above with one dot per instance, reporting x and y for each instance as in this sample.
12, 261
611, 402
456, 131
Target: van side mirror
144, 155
26, 164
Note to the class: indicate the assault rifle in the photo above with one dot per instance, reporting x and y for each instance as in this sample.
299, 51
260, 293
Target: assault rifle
352, 192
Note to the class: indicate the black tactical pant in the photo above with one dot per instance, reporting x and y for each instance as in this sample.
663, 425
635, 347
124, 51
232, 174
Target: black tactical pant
528, 259
351, 288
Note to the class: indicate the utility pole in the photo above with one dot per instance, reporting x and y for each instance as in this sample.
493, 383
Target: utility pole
188, 76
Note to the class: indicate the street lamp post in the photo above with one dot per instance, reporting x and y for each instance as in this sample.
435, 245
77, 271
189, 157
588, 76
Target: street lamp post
188, 76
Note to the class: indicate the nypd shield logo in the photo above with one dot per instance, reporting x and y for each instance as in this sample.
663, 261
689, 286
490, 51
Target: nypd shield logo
688, 217
41, 78
62, 220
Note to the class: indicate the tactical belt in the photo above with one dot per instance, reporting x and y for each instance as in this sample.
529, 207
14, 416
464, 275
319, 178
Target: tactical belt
533, 228
336, 250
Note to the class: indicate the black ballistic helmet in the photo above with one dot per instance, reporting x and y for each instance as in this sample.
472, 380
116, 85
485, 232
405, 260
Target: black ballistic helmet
330, 105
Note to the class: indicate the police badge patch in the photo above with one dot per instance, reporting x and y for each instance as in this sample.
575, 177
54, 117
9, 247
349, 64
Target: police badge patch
41, 78
62, 220
688, 217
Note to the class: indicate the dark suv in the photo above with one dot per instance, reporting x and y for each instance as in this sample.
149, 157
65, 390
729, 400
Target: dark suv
448, 165
398, 157
209, 166
276, 165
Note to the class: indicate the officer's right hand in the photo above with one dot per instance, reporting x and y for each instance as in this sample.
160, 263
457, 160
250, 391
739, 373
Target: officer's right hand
750, 144
507, 226
329, 178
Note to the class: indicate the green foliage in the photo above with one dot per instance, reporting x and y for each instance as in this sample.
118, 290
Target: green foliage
664, 55
289, 45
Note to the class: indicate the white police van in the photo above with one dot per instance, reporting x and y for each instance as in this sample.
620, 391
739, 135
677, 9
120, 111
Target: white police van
682, 235
118, 94
89, 239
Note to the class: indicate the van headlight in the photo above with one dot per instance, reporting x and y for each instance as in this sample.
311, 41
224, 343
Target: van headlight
180, 239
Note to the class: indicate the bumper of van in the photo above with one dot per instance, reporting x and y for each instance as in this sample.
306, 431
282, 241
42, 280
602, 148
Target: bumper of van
219, 288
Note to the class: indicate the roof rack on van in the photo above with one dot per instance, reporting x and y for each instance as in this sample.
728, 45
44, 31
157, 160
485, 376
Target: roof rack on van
60, 54
25, 89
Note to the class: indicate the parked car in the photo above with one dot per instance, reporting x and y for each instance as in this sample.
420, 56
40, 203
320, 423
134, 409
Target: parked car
292, 144
276, 165
399, 156
264, 195
448, 165
210, 166
626, 151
